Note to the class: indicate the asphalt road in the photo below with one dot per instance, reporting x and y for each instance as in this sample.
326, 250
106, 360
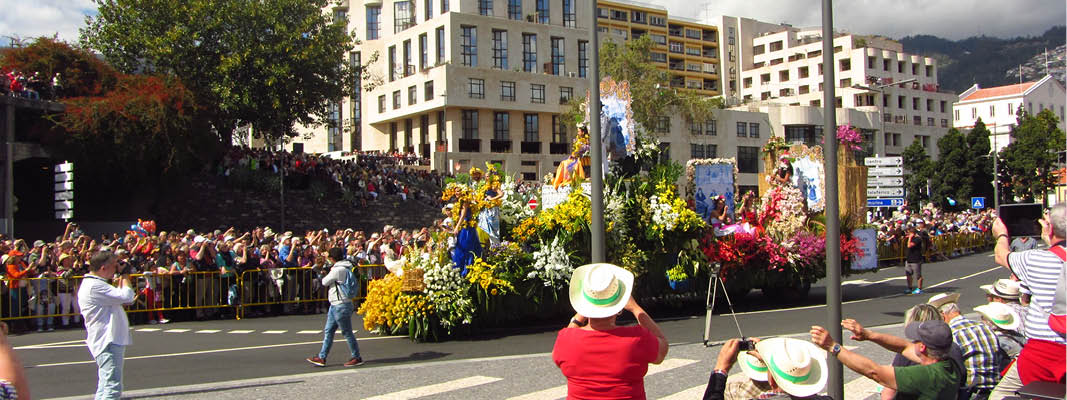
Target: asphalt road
219, 353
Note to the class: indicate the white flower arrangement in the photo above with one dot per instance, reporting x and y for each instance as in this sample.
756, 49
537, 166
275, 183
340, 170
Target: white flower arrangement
662, 213
615, 211
552, 265
513, 207
439, 276
446, 290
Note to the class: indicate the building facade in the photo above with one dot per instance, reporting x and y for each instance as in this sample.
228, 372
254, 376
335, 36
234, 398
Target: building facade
997, 107
782, 65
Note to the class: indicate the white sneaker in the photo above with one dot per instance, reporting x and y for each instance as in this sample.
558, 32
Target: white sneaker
164, 320
152, 322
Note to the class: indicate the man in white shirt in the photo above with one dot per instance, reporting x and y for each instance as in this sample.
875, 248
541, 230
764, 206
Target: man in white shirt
108, 330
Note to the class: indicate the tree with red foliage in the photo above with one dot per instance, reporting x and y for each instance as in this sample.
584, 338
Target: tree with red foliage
79, 72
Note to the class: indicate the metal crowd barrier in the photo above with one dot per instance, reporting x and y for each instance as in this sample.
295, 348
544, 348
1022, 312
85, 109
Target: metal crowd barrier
941, 246
57, 297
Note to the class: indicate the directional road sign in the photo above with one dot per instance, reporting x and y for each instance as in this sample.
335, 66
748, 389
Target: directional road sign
64, 190
64, 196
883, 161
896, 202
875, 181
64, 167
65, 214
64, 186
885, 192
978, 202
885, 171
64, 205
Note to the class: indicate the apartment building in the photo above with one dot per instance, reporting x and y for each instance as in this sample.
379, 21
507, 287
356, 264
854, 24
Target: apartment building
781, 64
735, 134
997, 106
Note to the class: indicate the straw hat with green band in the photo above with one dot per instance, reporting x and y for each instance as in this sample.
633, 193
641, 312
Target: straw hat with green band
798, 366
1000, 314
753, 367
600, 290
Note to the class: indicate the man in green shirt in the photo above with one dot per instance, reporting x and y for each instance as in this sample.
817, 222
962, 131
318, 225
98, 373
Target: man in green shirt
938, 375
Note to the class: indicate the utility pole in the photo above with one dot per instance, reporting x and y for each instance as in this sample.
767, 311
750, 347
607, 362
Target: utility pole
596, 154
835, 384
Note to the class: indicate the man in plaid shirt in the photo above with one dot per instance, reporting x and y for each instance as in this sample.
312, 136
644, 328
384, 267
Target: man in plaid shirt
979, 346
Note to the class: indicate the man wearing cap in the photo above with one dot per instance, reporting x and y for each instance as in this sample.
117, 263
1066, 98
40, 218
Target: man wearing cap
977, 342
1043, 357
106, 326
598, 358
1007, 291
937, 376
792, 368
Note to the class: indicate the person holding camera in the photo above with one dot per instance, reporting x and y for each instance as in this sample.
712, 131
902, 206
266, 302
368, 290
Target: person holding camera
792, 368
916, 241
42, 274
106, 326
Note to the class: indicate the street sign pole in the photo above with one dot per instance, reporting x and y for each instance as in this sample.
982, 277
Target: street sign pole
596, 155
835, 383
64, 191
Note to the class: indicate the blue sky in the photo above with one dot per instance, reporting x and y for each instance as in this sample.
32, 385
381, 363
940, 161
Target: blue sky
953, 19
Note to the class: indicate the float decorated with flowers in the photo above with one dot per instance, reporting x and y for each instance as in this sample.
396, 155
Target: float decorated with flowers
504, 261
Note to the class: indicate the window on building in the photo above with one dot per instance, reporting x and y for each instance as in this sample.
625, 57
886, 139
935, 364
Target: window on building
696, 150
531, 128
992, 111
500, 49
753, 129
974, 112
529, 52
469, 45
501, 126
747, 159
663, 125
374, 16
396, 99
558, 56
381, 104
570, 19
656, 20
424, 52
900, 102
409, 68
515, 9
914, 103
407, 132
392, 136
900, 67
664, 153
846, 65
565, 94
485, 7
957, 115
696, 128
542, 11
427, 91
440, 126
885, 64
507, 91
470, 124
424, 129
537, 93
444, 6
929, 121
403, 15
476, 88
427, 13
711, 128
929, 70
783, 76
742, 129
440, 33
583, 58
392, 63
942, 103
413, 94
559, 130
915, 69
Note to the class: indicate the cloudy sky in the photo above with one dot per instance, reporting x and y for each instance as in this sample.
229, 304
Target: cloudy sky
953, 19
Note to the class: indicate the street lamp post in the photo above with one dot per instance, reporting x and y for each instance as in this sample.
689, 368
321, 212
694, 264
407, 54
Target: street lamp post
881, 108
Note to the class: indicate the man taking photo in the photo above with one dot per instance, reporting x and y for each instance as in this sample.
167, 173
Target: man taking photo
108, 330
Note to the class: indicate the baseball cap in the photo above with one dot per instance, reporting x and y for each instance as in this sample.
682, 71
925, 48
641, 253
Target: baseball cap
934, 334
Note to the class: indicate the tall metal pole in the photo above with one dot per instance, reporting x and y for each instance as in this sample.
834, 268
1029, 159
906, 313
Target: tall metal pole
9, 170
996, 172
596, 154
835, 383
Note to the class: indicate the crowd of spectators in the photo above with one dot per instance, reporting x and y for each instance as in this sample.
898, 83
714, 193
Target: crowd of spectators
931, 222
15, 83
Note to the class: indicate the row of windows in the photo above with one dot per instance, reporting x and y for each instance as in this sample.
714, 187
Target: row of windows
542, 11
424, 133
902, 66
476, 90
531, 123
427, 93
555, 66
407, 68
1010, 109
404, 13
639, 17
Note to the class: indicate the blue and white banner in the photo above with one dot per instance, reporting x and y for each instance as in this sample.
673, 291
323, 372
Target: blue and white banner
868, 239
711, 181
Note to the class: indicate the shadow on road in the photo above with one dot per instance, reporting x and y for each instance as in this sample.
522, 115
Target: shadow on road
418, 356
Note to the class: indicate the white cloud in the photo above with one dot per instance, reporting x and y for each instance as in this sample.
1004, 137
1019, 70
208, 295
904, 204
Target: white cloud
33, 18
951, 19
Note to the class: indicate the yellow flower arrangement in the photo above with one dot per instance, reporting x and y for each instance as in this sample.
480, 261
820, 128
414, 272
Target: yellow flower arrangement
572, 215
378, 309
481, 273
525, 229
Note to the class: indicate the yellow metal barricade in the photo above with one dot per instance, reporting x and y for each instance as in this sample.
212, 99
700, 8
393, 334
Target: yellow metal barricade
268, 287
42, 297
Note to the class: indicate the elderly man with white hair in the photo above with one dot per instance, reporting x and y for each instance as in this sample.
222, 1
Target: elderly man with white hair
977, 342
1043, 357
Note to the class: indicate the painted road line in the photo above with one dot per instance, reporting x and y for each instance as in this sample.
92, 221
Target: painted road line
560, 392
208, 331
275, 332
309, 332
181, 330
850, 348
861, 388
241, 331
149, 330
189, 353
963, 277
430, 390
54, 345
694, 392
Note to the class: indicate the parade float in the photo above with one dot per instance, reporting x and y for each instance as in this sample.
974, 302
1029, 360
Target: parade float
505, 261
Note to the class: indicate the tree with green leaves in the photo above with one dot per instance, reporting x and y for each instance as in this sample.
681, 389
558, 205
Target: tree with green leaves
952, 177
920, 169
1028, 163
272, 64
981, 163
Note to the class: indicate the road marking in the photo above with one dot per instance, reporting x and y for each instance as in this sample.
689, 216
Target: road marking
439, 388
276, 332
964, 277
208, 331
55, 345
148, 330
861, 388
694, 392
560, 392
309, 332
241, 331
850, 348
182, 330
190, 353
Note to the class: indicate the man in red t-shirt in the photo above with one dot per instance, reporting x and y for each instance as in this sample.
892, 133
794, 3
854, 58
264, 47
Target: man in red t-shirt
600, 359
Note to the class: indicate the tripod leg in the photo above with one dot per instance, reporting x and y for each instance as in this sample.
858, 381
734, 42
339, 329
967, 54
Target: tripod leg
713, 291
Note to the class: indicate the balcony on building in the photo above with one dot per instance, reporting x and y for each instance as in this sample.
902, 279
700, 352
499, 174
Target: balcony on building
710, 69
499, 146
709, 36
530, 147
470, 145
677, 82
559, 148
709, 52
674, 30
675, 47
676, 66
693, 34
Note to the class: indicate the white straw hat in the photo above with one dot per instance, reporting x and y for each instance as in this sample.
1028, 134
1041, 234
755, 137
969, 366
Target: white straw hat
1000, 314
753, 367
798, 366
600, 290
1003, 288
941, 299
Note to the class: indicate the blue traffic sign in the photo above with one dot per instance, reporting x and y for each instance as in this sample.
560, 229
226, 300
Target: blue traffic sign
891, 202
978, 202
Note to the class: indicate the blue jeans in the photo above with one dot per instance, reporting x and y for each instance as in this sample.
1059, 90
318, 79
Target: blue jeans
46, 304
339, 316
109, 371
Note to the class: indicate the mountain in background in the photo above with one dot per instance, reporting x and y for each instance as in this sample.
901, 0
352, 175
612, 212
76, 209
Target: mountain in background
990, 61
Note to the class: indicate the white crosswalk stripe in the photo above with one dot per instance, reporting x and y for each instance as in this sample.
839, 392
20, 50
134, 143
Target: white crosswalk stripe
176, 330
694, 392
309, 332
241, 331
439, 388
208, 331
560, 392
148, 330
275, 332
861, 388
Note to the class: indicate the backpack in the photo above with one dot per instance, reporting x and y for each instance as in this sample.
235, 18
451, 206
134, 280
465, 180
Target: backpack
350, 287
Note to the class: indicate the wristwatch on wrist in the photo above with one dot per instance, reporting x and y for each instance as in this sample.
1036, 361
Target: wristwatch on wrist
1005, 235
577, 322
835, 350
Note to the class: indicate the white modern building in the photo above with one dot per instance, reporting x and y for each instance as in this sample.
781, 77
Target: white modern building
997, 106
781, 64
